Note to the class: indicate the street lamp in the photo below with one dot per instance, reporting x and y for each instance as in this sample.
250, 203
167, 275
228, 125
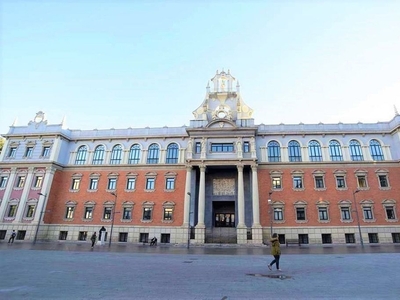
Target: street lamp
188, 239
113, 217
270, 210
358, 218
40, 217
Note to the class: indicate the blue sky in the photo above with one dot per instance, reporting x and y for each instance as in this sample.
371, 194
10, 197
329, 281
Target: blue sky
120, 64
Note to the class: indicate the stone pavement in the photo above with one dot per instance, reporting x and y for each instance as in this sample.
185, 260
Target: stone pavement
74, 271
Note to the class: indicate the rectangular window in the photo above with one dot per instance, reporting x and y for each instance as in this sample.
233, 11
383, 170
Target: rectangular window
147, 213
345, 211
198, 147
150, 182
82, 235
390, 212
94, 182
319, 182
300, 214
170, 184
28, 151
373, 238
222, 147
276, 182
12, 210
112, 183
278, 214
323, 213
165, 238
63, 235
326, 238
362, 181
123, 237
12, 152
127, 214
340, 183
20, 181
3, 182
21, 235
350, 238
395, 237
303, 238
38, 182
88, 212
107, 213
383, 182
75, 183
144, 237
368, 213
246, 147
168, 214
3, 234
131, 183
30, 211
69, 214
46, 151
297, 182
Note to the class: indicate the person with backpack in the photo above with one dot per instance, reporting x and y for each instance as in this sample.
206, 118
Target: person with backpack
275, 251
12, 237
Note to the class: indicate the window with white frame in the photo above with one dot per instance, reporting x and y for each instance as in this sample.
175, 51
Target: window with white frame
168, 210
93, 183
20, 181
389, 207
81, 155
88, 211
98, 155
134, 155
276, 180
362, 181
297, 178
355, 151
30, 210
70, 210
107, 212
376, 150
131, 183
147, 211
153, 154
127, 210
314, 151
38, 181
12, 152
75, 184
46, 151
170, 178
294, 151
12, 209
28, 151
116, 155
319, 180
383, 179
112, 183
278, 214
345, 211
335, 151
323, 211
278, 211
172, 154
340, 182
3, 182
150, 181
274, 151
301, 211
367, 209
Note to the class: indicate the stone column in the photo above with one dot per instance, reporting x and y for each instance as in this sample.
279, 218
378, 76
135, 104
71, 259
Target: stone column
7, 192
24, 195
201, 227
186, 215
241, 229
256, 228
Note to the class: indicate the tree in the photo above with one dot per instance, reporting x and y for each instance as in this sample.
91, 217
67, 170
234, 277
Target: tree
2, 140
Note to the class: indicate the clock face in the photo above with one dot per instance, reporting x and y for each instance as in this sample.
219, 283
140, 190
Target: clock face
221, 114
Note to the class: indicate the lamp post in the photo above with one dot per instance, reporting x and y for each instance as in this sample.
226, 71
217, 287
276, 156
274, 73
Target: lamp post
40, 217
113, 217
188, 239
270, 210
358, 217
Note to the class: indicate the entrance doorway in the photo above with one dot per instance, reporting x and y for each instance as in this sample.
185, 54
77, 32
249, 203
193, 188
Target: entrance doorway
224, 223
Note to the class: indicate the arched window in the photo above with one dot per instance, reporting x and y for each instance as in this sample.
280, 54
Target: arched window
294, 151
98, 156
376, 150
153, 154
274, 151
355, 151
172, 154
116, 155
335, 151
81, 155
314, 151
134, 155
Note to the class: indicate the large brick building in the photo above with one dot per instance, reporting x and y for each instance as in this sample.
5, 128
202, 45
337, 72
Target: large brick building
222, 179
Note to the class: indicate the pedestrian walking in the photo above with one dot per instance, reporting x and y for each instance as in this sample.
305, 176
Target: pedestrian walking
275, 251
93, 239
12, 237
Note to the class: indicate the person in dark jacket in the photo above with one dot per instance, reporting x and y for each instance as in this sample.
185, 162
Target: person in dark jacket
93, 239
275, 251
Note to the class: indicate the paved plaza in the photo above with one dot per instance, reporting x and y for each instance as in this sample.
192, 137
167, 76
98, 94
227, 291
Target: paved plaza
74, 271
